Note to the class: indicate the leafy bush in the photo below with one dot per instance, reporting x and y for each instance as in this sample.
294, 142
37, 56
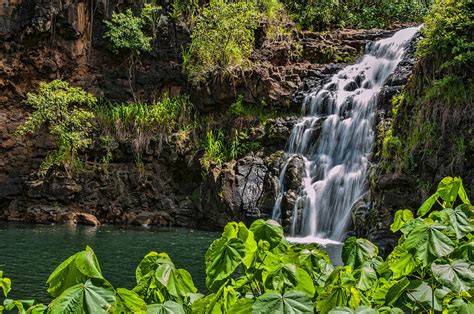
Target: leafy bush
255, 270
432, 120
124, 32
218, 148
56, 106
324, 14
222, 38
448, 36
139, 123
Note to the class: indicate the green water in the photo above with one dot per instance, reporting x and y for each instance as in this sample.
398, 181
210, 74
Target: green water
29, 253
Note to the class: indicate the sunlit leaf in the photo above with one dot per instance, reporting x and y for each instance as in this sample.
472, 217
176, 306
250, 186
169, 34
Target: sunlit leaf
357, 251
89, 297
290, 302
401, 217
269, 230
76, 269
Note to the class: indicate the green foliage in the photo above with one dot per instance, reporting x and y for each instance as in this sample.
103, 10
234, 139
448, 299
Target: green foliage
56, 106
138, 123
219, 148
430, 118
124, 32
223, 38
324, 14
448, 35
255, 270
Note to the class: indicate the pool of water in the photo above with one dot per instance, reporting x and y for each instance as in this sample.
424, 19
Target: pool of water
29, 253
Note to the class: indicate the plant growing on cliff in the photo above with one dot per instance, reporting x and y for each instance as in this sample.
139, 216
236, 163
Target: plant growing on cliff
138, 123
222, 39
63, 110
125, 33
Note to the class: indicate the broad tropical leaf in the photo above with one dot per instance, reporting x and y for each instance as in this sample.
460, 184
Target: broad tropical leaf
290, 302
357, 251
269, 230
128, 302
366, 276
169, 307
459, 221
401, 217
457, 275
401, 262
76, 269
222, 259
91, 297
429, 242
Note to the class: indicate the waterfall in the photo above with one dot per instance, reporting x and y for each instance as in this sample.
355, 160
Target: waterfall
335, 139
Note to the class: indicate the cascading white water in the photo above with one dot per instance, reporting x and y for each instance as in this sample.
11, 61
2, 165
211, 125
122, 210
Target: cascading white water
335, 163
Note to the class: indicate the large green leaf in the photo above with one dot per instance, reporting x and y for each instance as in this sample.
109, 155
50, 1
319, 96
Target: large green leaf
269, 231
76, 269
128, 302
91, 297
402, 216
429, 242
177, 282
312, 259
242, 306
158, 279
5, 284
222, 259
168, 307
448, 190
357, 251
358, 310
401, 262
366, 276
290, 302
427, 205
459, 221
457, 275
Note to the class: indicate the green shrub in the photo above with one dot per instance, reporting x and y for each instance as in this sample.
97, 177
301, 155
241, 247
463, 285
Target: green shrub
256, 270
222, 38
325, 14
139, 123
57, 106
448, 35
124, 32
214, 150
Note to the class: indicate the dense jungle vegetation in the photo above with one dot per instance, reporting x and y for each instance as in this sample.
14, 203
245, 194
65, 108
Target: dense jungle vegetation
255, 270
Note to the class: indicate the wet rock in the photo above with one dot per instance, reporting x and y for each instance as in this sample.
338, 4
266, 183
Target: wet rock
294, 173
351, 86
277, 131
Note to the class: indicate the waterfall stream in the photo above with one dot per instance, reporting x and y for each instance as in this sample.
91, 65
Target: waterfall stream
335, 139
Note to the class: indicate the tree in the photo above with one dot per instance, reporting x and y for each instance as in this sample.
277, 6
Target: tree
56, 106
125, 33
